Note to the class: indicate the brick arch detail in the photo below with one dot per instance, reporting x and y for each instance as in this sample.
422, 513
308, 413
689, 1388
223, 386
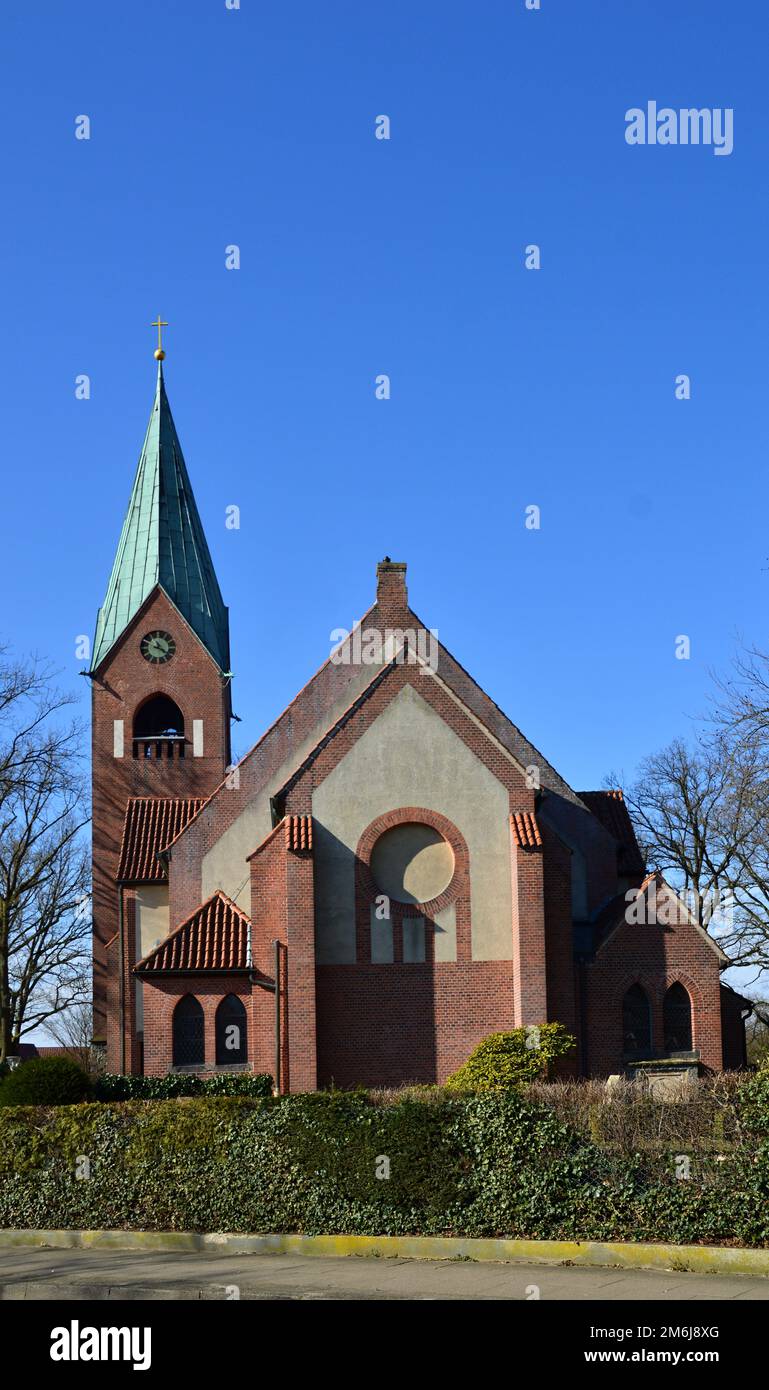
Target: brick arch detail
457, 891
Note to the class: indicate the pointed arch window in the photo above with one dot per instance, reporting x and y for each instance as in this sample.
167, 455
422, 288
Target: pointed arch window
677, 1019
636, 1023
189, 1048
231, 1032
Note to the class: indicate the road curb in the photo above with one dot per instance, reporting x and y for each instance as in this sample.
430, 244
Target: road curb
700, 1259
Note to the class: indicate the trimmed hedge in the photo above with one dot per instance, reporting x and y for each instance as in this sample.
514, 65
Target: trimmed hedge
246, 1083
45, 1081
495, 1164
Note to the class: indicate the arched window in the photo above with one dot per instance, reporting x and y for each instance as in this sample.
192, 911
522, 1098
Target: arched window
231, 1032
189, 1033
677, 1019
158, 729
636, 1022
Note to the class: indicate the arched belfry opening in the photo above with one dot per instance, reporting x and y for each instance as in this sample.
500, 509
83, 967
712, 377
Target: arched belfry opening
158, 729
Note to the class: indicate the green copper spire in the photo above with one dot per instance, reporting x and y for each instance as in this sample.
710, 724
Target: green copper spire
162, 542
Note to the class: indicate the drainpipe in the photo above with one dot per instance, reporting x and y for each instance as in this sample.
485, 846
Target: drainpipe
277, 1019
274, 989
122, 981
584, 1067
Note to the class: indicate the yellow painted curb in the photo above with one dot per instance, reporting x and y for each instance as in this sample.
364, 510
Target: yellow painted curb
701, 1259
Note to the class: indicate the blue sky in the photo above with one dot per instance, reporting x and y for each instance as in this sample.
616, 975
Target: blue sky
359, 256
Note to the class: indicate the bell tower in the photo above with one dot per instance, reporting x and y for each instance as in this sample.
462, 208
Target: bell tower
160, 679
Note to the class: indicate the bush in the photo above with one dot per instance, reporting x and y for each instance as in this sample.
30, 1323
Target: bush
45, 1081
110, 1087
710, 1115
511, 1059
754, 1095
491, 1164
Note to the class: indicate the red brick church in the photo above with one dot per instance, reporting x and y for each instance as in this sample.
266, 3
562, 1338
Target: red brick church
390, 874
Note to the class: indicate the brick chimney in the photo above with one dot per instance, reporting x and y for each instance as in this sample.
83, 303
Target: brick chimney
391, 593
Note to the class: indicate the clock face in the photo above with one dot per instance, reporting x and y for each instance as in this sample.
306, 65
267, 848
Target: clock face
157, 647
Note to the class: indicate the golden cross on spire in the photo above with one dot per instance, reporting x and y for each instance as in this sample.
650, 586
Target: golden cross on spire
159, 324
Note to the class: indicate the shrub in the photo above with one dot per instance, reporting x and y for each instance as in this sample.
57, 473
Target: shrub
113, 1087
45, 1081
244, 1083
754, 1097
491, 1164
709, 1115
511, 1059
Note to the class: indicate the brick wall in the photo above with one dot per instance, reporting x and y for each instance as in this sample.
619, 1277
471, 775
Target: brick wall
654, 956
384, 1025
163, 994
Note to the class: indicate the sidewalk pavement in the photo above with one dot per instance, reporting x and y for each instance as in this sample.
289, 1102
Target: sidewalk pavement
119, 1275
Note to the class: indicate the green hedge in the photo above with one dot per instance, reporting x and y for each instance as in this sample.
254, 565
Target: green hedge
45, 1081
495, 1164
115, 1087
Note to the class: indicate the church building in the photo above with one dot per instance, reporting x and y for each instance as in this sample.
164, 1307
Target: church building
390, 874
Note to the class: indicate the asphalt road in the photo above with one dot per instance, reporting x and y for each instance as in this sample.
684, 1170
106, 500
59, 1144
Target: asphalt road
104, 1274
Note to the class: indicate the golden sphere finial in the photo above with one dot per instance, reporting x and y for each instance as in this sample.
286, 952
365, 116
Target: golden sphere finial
159, 324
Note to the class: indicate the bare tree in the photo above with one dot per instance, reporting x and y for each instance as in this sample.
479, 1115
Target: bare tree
742, 706
44, 912
757, 1033
701, 813
73, 1030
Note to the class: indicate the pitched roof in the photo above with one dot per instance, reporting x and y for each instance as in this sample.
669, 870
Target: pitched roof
303, 718
151, 823
162, 543
616, 912
215, 937
381, 674
610, 808
733, 995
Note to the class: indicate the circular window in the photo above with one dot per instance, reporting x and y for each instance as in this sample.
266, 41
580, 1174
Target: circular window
412, 863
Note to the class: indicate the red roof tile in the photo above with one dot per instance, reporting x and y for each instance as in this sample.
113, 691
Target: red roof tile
151, 823
610, 808
525, 830
217, 936
298, 833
